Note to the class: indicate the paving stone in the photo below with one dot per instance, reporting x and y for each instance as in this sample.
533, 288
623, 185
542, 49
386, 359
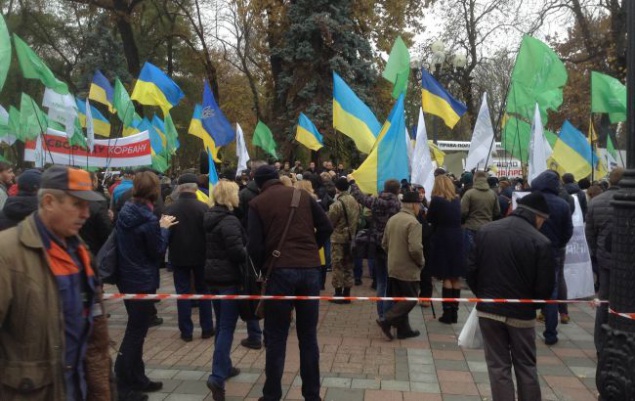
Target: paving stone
424, 377
425, 387
159, 374
185, 397
339, 382
192, 387
395, 385
366, 384
477, 366
190, 375
348, 394
451, 365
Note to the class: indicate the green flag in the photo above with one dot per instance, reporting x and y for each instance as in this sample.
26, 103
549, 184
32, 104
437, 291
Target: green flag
33, 121
171, 134
121, 101
608, 95
538, 77
78, 138
263, 137
5, 52
397, 68
610, 147
34, 68
14, 123
159, 163
516, 137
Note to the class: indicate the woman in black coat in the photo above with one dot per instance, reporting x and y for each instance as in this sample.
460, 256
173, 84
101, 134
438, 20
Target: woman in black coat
447, 256
226, 240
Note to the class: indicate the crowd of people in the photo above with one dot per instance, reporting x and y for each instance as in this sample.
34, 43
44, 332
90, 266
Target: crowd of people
300, 224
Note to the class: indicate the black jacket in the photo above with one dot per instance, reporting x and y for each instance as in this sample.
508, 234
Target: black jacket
225, 247
559, 226
187, 238
574, 189
511, 259
16, 209
244, 197
97, 228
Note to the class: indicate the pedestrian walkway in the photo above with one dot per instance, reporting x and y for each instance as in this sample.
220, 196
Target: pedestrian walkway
357, 363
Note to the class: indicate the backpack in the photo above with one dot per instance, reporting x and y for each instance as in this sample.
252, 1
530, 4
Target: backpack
107, 260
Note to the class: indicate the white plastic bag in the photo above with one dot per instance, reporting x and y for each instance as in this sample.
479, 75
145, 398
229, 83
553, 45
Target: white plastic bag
471, 336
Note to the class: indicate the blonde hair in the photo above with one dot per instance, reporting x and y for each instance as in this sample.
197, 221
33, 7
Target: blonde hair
307, 186
444, 188
286, 181
225, 193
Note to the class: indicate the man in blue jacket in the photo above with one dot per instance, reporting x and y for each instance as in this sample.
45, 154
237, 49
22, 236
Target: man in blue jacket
559, 229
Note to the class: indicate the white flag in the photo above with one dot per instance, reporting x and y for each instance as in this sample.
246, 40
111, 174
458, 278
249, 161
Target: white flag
39, 152
410, 149
482, 139
90, 128
538, 148
61, 109
422, 168
9, 139
241, 151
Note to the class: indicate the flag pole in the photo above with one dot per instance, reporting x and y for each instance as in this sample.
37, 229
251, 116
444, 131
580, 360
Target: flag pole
591, 141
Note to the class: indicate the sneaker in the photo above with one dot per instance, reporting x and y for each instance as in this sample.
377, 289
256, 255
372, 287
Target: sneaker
156, 321
208, 334
248, 343
218, 393
564, 318
540, 318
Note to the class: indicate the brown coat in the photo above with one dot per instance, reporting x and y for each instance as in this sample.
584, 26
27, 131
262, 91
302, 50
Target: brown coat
31, 320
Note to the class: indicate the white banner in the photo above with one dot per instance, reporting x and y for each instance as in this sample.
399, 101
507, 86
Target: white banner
133, 150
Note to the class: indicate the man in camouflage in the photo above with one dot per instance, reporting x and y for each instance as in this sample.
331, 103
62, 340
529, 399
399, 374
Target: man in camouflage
343, 213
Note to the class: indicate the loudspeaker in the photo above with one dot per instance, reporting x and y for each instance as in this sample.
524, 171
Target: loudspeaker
203, 162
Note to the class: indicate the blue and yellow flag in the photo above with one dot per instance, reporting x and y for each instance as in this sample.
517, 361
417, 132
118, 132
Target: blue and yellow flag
101, 91
436, 100
196, 128
155, 138
214, 121
159, 126
213, 175
307, 134
388, 159
155, 88
100, 123
572, 152
352, 117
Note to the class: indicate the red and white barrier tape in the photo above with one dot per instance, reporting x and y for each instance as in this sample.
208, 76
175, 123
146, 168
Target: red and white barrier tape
329, 298
623, 314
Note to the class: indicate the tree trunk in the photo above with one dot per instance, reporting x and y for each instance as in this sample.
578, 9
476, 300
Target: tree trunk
123, 15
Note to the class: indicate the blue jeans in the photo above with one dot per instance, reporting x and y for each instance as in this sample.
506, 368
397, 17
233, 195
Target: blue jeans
327, 254
358, 268
551, 310
381, 277
226, 318
285, 281
183, 285
254, 333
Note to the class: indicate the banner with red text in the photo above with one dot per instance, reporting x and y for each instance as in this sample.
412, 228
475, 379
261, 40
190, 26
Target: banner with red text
133, 150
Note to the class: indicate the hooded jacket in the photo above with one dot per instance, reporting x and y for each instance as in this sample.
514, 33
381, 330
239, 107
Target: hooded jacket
558, 227
141, 244
16, 209
479, 205
574, 189
511, 259
225, 247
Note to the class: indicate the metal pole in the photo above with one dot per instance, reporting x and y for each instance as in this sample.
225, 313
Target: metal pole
615, 375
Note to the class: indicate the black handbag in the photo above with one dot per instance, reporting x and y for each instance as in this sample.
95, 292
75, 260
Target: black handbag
107, 260
251, 285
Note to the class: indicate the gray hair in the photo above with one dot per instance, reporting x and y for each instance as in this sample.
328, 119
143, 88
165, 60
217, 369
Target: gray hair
57, 193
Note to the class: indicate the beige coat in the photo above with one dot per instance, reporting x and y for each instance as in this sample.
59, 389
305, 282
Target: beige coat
32, 323
402, 241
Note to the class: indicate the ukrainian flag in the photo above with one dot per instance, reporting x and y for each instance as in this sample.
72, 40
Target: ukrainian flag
159, 126
436, 100
101, 91
100, 123
352, 117
572, 152
196, 128
155, 138
155, 88
307, 134
388, 159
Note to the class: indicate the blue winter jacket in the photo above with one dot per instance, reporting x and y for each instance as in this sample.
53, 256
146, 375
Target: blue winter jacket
558, 227
141, 244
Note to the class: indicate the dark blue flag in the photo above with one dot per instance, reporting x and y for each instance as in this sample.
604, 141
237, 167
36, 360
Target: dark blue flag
214, 121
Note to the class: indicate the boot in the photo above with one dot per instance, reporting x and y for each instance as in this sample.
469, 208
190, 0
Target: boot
347, 293
448, 307
338, 293
455, 313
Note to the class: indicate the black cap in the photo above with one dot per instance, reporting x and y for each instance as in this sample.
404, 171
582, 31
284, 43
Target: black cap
536, 203
410, 197
29, 181
264, 174
73, 181
342, 184
188, 178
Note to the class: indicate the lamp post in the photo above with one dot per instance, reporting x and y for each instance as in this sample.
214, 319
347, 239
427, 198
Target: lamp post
445, 66
615, 377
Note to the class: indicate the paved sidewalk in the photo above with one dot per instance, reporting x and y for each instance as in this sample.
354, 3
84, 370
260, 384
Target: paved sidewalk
356, 363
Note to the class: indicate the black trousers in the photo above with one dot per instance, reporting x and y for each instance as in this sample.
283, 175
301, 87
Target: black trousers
506, 346
398, 314
129, 366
